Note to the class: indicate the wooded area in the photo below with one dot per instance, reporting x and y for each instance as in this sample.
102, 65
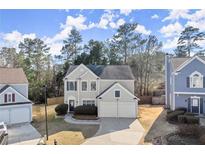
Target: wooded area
143, 53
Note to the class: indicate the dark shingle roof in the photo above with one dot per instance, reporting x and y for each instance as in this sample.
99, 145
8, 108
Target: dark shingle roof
117, 72
4, 88
177, 62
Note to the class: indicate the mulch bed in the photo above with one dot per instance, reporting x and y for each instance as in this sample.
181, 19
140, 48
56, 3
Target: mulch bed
85, 117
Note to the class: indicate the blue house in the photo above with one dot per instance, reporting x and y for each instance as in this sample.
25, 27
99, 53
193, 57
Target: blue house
185, 83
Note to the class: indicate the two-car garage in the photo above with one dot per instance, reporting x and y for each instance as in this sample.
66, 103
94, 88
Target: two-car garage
117, 109
12, 114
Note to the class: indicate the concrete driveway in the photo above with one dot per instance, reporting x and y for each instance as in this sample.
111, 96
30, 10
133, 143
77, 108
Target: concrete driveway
117, 131
23, 134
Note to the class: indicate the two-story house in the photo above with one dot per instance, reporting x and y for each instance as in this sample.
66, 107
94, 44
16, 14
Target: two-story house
15, 107
185, 83
110, 88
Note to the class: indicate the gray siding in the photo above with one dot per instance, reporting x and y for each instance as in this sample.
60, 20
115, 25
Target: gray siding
21, 88
18, 97
181, 101
180, 79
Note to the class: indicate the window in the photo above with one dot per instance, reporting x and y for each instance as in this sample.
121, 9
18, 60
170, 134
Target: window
84, 86
93, 86
196, 80
117, 93
8, 98
89, 102
72, 86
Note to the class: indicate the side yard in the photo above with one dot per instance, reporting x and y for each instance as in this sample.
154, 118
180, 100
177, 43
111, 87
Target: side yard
63, 132
153, 119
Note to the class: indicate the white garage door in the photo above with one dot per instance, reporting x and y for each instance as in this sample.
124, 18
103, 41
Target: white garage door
123, 109
15, 115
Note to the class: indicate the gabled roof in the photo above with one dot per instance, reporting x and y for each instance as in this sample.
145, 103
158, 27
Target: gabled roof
8, 86
178, 62
12, 76
116, 72
117, 84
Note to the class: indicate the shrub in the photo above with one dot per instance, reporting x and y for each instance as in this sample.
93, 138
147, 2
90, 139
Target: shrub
181, 109
192, 119
202, 139
85, 110
189, 113
61, 109
169, 111
182, 118
187, 129
173, 115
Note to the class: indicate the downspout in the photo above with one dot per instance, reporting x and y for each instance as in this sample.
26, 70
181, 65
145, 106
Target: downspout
79, 91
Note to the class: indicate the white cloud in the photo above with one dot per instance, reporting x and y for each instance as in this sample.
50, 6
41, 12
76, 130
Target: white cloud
143, 30
171, 29
176, 14
125, 11
170, 43
117, 24
155, 16
78, 22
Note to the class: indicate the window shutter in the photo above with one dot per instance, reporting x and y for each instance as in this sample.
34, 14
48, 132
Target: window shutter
201, 105
75, 85
188, 82
5, 98
13, 97
189, 104
204, 82
67, 86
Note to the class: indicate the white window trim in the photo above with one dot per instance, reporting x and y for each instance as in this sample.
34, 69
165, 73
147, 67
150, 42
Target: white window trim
74, 85
90, 85
82, 86
119, 91
191, 79
195, 97
88, 99
7, 95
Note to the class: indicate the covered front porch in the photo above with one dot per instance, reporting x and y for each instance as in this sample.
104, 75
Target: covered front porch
195, 103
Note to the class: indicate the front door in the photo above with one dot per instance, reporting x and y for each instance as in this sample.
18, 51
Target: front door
195, 105
71, 105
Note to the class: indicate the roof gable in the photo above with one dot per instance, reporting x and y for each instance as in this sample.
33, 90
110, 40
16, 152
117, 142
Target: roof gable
115, 72
188, 61
12, 76
114, 86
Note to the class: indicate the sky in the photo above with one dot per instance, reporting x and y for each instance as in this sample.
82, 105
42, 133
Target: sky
53, 26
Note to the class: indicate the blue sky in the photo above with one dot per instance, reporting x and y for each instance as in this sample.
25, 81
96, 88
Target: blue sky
53, 26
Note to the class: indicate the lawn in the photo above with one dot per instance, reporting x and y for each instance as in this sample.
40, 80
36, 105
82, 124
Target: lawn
147, 116
63, 132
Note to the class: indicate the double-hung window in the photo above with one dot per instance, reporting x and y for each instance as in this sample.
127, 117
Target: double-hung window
89, 102
93, 86
84, 86
72, 86
9, 97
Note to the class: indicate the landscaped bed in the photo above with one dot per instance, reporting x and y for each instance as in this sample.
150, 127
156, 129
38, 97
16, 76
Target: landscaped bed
85, 117
64, 133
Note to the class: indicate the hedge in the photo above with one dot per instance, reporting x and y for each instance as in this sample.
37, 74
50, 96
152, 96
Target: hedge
174, 115
189, 119
85, 110
181, 109
61, 109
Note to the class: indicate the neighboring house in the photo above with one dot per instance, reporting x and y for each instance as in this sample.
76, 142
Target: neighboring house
110, 88
15, 107
185, 83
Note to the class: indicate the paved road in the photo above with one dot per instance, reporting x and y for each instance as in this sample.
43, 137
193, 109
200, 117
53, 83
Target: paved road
117, 131
23, 134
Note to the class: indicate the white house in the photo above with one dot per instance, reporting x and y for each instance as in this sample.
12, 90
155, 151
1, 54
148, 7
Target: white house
110, 88
15, 107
